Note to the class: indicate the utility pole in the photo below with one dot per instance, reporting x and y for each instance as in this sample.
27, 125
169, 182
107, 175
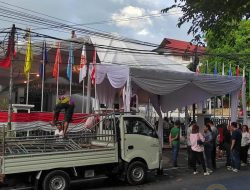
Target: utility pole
12, 46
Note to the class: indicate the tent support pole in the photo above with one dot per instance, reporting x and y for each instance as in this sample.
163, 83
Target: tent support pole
88, 94
193, 112
215, 98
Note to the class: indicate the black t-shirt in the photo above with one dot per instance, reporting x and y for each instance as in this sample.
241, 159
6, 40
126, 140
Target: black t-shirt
236, 135
227, 136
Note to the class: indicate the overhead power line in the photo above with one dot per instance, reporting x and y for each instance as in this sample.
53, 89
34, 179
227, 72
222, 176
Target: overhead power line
53, 24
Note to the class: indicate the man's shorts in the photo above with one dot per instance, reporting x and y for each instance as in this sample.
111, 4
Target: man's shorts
69, 110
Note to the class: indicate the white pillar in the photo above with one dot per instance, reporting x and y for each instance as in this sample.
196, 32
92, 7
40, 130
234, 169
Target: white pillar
244, 104
234, 106
210, 106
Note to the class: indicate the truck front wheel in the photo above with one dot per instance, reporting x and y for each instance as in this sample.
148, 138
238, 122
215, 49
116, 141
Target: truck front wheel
136, 173
56, 180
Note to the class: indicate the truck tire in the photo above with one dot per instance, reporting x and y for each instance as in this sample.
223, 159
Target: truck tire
136, 173
56, 180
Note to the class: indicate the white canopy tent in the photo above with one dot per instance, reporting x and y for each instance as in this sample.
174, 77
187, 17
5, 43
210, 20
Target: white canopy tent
169, 85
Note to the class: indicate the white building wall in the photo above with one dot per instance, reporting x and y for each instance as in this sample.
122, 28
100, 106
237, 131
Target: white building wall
180, 60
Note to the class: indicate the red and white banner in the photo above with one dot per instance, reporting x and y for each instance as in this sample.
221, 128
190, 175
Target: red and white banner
40, 120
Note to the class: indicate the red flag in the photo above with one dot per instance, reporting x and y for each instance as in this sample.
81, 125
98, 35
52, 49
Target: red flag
238, 70
5, 62
58, 60
93, 70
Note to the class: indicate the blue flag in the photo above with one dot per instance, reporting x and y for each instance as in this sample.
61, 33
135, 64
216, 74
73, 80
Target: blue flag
70, 62
230, 71
215, 69
45, 60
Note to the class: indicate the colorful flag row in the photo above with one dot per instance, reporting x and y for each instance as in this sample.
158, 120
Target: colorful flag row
6, 61
215, 71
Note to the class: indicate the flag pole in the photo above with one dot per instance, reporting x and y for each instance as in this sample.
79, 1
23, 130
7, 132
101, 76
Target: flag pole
27, 92
248, 86
96, 101
71, 62
70, 81
83, 95
88, 87
43, 74
57, 81
88, 93
222, 97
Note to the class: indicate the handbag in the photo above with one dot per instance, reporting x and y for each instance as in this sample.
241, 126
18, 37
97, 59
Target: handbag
199, 141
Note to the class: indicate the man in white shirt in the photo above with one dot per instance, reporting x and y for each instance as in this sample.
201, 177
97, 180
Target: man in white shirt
59, 131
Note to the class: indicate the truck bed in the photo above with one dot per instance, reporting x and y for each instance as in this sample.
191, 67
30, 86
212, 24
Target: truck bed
33, 154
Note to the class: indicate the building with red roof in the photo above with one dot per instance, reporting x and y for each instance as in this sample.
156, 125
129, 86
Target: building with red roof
180, 51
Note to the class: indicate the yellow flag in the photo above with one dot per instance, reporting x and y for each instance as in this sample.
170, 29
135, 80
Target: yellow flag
28, 57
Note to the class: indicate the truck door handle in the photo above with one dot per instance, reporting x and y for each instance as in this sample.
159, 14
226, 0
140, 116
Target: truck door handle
130, 147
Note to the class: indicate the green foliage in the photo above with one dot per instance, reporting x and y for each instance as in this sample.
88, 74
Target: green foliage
233, 49
218, 16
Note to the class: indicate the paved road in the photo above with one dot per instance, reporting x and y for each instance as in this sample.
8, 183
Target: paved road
180, 179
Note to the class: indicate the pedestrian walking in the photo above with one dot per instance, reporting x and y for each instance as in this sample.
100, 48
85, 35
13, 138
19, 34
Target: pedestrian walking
235, 148
208, 145
197, 141
245, 141
189, 150
214, 135
174, 140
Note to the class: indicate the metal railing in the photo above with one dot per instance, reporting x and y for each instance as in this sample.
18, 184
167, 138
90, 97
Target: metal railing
102, 134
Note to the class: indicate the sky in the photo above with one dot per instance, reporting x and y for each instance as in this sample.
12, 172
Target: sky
152, 29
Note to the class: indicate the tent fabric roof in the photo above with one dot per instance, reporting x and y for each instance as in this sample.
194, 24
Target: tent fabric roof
162, 82
157, 75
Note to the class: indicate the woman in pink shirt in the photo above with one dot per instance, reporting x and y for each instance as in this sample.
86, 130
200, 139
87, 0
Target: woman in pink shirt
197, 140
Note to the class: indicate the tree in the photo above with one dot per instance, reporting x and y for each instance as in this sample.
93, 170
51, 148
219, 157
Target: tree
217, 16
233, 49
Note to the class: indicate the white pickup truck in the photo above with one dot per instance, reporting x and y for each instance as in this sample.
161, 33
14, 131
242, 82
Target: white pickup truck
124, 146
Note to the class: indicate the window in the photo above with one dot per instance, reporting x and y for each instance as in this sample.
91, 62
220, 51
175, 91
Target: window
138, 126
108, 124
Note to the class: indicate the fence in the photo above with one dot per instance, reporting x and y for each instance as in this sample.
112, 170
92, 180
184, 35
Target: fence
218, 121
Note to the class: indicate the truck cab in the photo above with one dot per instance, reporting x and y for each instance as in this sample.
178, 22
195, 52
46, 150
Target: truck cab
139, 140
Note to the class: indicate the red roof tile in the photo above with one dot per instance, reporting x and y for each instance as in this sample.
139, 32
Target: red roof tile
179, 46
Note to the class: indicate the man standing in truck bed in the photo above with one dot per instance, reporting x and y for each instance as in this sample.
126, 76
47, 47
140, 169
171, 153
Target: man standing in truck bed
65, 102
